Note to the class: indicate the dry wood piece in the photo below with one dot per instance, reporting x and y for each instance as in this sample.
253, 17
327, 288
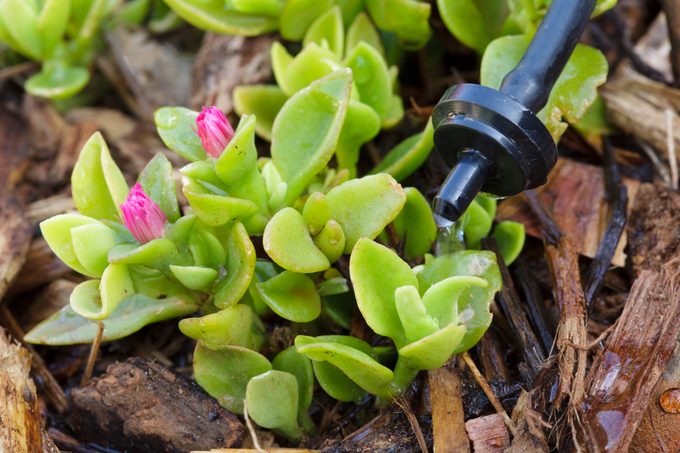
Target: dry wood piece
47, 207
142, 406
672, 10
622, 379
562, 257
225, 62
488, 434
21, 429
448, 418
569, 184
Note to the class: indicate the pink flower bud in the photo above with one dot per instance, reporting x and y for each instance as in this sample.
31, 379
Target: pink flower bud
214, 130
142, 216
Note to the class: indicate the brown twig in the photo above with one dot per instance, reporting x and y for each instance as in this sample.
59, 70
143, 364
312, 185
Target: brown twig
562, 259
92, 358
617, 194
405, 406
535, 308
17, 69
512, 306
486, 388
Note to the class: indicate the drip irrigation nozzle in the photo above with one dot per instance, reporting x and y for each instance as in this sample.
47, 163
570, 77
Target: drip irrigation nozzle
494, 136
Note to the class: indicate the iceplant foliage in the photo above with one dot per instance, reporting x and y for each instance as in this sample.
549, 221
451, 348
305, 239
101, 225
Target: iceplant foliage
148, 262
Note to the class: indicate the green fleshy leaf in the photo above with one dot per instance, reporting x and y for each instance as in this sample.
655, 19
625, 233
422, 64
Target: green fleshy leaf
217, 210
333, 380
157, 181
575, 89
95, 299
376, 272
415, 224
414, 318
441, 300
408, 19
211, 15
57, 232
154, 253
237, 166
360, 367
473, 23
288, 242
364, 207
328, 28
369, 72
477, 225
433, 351
239, 269
510, 237
395, 112
66, 327
205, 248
52, 23
91, 245
362, 29
224, 374
232, 326
176, 127
291, 361
409, 155
262, 101
339, 308
291, 296
302, 148
316, 212
257, 7
313, 63
21, 24
331, 240
474, 302
298, 15
362, 123
272, 399
97, 184
194, 277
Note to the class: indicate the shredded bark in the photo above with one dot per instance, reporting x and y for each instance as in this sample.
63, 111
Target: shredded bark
488, 434
21, 428
623, 377
562, 257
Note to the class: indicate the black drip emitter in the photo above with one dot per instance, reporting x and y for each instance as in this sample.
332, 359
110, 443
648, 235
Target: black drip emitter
493, 137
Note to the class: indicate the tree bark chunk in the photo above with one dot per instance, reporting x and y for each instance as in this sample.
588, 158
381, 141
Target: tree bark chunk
21, 429
569, 184
225, 62
488, 434
622, 379
141, 406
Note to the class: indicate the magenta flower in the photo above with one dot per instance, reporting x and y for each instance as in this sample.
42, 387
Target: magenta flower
214, 130
142, 216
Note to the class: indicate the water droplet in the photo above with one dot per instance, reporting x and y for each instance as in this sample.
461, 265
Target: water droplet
670, 401
450, 237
